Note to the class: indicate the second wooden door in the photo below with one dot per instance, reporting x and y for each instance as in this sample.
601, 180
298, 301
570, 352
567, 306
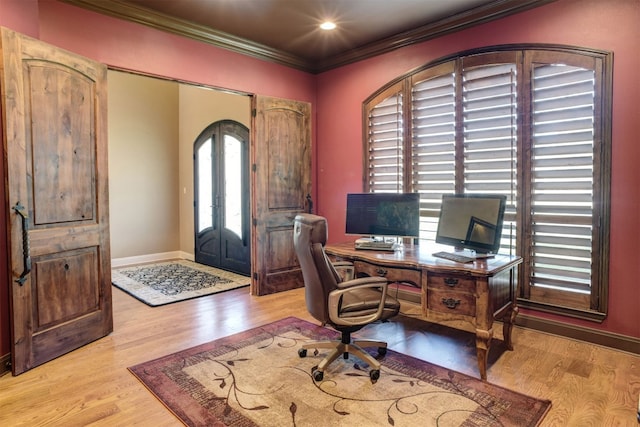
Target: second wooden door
281, 165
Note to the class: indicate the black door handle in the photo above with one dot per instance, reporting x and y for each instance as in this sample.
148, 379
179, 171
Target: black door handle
26, 256
309, 204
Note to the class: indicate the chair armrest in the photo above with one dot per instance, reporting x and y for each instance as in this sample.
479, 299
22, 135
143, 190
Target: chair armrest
379, 283
342, 264
345, 269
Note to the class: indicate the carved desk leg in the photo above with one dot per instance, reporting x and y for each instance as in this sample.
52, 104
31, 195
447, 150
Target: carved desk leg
484, 325
483, 342
507, 326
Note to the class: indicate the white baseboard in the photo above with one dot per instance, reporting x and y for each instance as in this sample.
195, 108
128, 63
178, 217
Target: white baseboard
142, 259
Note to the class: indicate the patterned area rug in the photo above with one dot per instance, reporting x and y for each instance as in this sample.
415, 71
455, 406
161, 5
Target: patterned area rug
168, 282
256, 378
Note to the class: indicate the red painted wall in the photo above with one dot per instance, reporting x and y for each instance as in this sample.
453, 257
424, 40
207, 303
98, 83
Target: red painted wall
612, 25
123, 44
20, 15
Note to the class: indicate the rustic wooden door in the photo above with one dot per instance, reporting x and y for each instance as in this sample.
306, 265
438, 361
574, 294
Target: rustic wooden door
55, 140
281, 162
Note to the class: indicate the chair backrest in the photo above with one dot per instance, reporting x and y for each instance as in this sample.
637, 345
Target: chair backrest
320, 278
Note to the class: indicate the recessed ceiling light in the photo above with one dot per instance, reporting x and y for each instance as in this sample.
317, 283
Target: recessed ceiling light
328, 25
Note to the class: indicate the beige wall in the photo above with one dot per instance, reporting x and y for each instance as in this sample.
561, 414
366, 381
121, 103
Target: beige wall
153, 124
143, 165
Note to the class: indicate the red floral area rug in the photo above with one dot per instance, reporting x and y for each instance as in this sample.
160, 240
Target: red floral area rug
256, 378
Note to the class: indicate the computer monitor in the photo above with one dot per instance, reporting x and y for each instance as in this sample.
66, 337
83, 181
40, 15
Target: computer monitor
383, 214
471, 221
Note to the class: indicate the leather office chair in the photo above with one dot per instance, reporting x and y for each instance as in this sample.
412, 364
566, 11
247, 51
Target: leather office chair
346, 306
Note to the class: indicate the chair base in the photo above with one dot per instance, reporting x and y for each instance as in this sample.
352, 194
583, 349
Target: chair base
340, 348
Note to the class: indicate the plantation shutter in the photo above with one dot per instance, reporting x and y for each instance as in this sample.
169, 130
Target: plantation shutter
433, 108
529, 123
562, 181
486, 143
385, 143
489, 120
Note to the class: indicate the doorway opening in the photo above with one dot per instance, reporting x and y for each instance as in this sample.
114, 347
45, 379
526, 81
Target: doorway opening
222, 197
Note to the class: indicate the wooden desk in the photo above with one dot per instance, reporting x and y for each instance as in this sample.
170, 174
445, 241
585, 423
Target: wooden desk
476, 292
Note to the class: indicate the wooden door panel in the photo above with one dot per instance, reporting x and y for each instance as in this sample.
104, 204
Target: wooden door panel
281, 158
55, 143
59, 103
65, 287
284, 272
287, 168
49, 240
46, 345
280, 253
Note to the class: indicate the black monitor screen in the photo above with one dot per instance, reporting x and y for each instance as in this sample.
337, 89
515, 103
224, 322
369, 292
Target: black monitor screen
383, 214
471, 221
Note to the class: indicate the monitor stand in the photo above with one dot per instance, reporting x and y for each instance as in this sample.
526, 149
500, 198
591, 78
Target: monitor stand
473, 254
370, 243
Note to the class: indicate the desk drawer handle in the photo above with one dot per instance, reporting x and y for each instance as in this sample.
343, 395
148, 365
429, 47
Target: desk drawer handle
450, 281
450, 302
381, 272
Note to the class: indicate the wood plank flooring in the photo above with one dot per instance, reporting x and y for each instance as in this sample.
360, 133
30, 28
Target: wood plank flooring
588, 385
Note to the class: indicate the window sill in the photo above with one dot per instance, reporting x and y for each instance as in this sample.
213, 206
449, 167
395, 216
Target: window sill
590, 315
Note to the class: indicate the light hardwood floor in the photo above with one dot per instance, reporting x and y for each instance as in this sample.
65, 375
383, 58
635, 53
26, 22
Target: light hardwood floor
588, 385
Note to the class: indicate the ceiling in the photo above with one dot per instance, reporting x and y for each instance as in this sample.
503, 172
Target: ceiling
287, 32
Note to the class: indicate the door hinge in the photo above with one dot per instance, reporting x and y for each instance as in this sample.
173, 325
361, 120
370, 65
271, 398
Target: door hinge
254, 112
254, 221
254, 167
255, 276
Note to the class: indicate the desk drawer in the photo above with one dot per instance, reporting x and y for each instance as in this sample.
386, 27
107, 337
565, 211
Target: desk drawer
390, 273
446, 282
451, 302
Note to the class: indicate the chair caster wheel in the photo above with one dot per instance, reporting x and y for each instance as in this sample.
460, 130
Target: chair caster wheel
382, 351
302, 352
374, 375
318, 375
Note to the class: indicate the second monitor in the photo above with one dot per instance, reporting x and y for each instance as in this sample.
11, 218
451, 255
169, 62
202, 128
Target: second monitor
472, 221
380, 215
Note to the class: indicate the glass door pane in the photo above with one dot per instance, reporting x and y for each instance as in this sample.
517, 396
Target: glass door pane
205, 192
233, 190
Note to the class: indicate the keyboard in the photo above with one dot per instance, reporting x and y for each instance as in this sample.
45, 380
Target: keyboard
376, 246
454, 257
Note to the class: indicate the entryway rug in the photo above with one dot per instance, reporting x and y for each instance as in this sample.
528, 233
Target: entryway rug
256, 378
167, 282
